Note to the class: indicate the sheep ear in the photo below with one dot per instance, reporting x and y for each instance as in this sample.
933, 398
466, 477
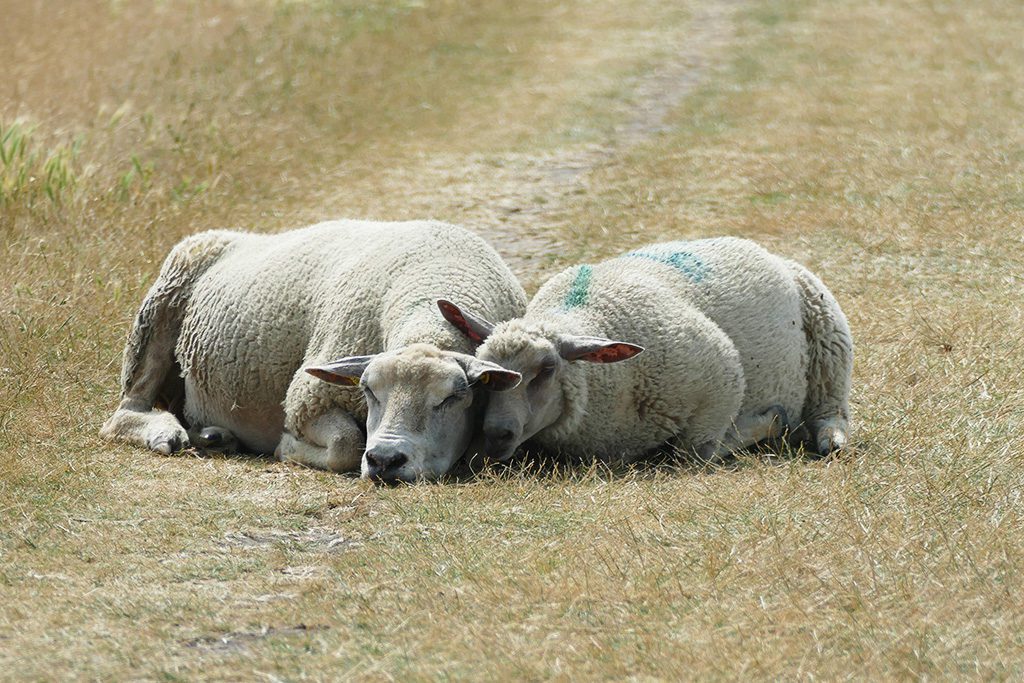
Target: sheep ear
474, 327
596, 349
344, 371
491, 375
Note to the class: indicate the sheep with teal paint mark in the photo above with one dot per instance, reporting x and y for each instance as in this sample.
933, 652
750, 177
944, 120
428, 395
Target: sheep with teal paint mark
579, 290
673, 254
725, 345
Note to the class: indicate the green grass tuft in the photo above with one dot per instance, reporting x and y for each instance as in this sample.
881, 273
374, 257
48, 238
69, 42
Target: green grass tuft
29, 172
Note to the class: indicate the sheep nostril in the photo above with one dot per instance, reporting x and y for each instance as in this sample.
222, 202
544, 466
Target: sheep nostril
396, 460
499, 436
372, 462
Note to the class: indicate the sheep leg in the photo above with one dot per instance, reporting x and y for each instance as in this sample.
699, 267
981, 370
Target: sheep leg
332, 441
830, 364
745, 431
157, 430
150, 377
150, 374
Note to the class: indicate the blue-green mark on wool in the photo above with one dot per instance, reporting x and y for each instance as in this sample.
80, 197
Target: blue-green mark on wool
579, 292
685, 262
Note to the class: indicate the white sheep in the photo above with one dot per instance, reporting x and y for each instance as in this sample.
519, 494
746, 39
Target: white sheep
736, 342
222, 338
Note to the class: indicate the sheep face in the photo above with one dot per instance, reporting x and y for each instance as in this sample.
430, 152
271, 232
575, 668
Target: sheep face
540, 353
543, 359
422, 404
514, 416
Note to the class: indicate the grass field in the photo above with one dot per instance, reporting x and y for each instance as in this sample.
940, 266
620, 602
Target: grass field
880, 143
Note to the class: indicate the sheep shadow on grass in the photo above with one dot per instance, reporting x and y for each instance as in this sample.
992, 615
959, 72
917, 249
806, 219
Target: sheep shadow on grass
537, 463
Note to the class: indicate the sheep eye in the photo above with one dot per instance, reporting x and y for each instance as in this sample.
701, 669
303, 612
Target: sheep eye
450, 400
369, 394
544, 373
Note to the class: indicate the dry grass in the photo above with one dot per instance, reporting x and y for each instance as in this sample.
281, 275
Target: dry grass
877, 142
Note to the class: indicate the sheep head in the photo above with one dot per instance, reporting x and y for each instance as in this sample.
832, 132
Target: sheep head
541, 353
422, 407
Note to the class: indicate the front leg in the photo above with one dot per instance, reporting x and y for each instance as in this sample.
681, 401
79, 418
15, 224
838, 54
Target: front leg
333, 441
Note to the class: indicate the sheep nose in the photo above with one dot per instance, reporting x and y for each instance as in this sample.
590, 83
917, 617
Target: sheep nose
499, 442
382, 464
499, 435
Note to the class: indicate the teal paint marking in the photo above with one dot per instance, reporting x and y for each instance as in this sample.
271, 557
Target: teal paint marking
579, 292
685, 262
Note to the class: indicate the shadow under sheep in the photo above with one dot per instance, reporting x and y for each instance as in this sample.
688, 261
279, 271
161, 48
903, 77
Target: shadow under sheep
535, 462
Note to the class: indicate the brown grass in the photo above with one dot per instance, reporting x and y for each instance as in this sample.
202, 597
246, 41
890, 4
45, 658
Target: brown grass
877, 142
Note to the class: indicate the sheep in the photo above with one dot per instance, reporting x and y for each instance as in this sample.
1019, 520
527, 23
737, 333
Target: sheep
238, 333
735, 342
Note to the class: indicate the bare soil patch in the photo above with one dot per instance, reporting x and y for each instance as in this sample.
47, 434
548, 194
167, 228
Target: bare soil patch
519, 200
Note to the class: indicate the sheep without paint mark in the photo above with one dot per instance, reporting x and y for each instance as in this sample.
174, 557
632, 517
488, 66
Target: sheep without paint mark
223, 335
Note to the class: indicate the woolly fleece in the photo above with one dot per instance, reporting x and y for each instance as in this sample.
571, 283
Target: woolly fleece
730, 330
253, 309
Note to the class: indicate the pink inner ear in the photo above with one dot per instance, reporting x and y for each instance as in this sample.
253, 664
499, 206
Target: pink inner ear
332, 378
455, 317
613, 353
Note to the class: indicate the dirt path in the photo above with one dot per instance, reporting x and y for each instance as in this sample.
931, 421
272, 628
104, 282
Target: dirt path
517, 200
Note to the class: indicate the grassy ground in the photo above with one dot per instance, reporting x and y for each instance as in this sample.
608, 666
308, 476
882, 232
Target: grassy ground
877, 142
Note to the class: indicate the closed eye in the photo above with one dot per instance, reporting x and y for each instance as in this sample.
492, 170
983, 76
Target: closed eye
370, 397
454, 398
544, 373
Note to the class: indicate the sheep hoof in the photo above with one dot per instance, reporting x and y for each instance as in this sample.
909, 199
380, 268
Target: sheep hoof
216, 439
166, 443
830, 440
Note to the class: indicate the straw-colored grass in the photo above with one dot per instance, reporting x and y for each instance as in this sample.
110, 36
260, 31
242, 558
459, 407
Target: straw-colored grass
878, 142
